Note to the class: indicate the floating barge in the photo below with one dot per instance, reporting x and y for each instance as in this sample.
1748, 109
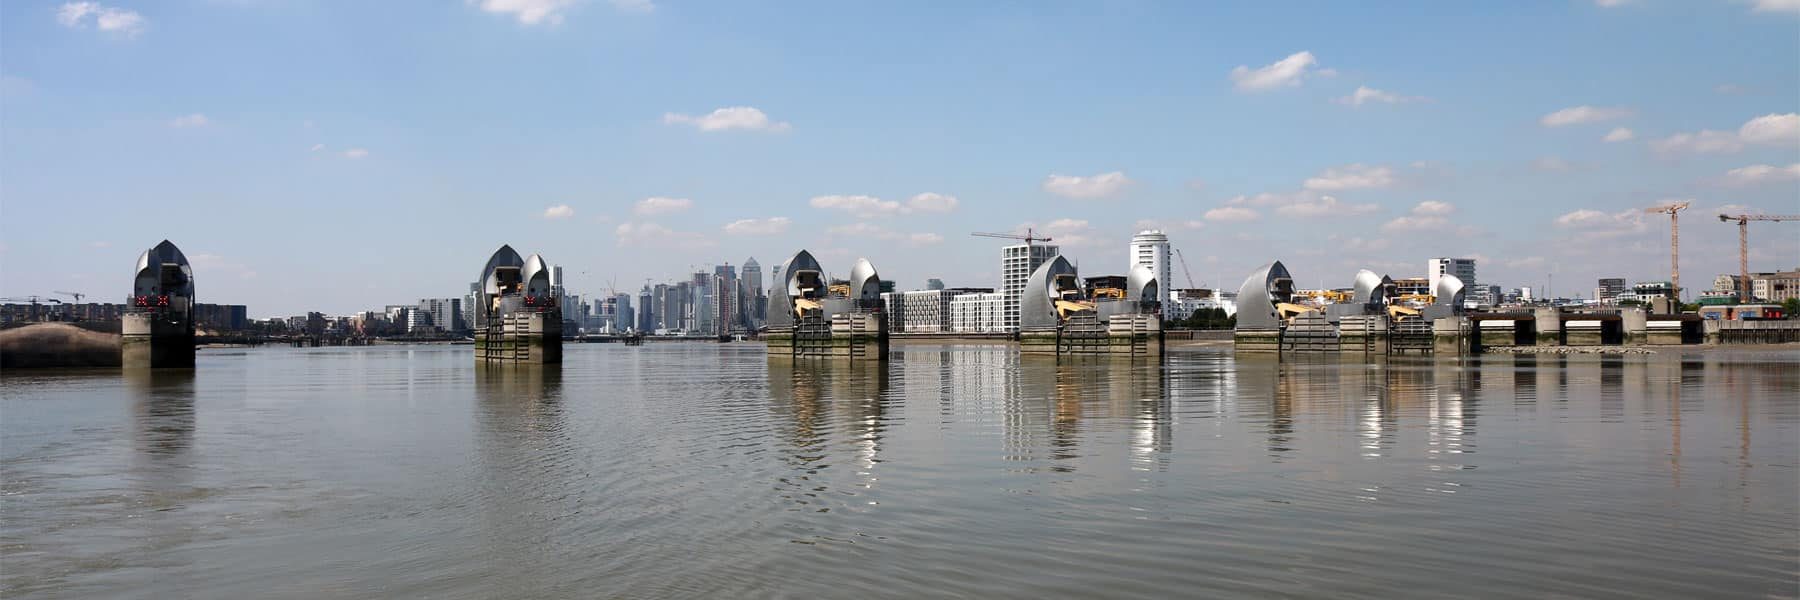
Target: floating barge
809, 319
1058, 315
158, 325
518, 320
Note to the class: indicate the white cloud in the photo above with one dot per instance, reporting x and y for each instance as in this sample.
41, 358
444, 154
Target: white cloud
72, 13
634, 6
1757, 174
865, 207
1364, 95
1767, 129
1772, 129
1357, 244
1067, 232
1618, 134
1584, 114
1169, 225
112, 20
657, 205
317, 147
1351, 177
1287, 72
1705, 141
1324, 206
1600, 224
769, 226
1611, 3
1097, 186
1414, 223
924, 239
1776, 6
193, 120
356, 153
1265, 199
653, 235
932, 202
1434, 208
560, 211
1427, 215
861, 206
1582, 218
530, 12
869, 231
1231, 213
724, 119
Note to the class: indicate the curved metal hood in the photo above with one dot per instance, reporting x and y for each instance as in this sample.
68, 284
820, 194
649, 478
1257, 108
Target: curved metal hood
1037, 302
1266, 287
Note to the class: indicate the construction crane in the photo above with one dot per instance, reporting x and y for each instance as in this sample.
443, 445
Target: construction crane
1743, 222
1673, 209
76, 295
1029, 237
1184, 269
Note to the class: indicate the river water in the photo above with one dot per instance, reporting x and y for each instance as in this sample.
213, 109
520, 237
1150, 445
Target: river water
682, 470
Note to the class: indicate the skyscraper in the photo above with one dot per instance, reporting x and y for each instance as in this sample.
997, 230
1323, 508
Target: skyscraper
1462, 268
646, 321
1610, 287
665, 312
445, 313
753, 282
622, 314
727, 310
1016, 264
1150, 248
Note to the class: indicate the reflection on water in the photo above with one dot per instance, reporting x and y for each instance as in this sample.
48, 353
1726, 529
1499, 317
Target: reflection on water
163, 412
684, 470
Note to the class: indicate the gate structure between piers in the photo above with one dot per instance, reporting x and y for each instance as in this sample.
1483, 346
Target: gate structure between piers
1410, 335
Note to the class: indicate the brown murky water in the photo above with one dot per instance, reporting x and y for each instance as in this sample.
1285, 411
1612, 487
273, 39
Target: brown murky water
681, 470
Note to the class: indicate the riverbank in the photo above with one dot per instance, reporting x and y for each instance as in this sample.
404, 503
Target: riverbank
41, 345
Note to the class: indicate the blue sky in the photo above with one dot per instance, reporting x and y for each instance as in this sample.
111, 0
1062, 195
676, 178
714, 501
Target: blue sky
340, 156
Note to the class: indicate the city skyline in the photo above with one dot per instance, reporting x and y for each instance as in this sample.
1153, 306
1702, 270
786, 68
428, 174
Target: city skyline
633, 145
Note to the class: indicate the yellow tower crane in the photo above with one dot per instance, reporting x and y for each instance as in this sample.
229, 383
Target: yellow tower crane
1673, 209
1743, 222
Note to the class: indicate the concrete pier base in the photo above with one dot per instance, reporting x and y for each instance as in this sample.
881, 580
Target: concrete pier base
847, 336
1363, 334
152, 340
1548, 326
1120, 335
1447, 335
531, 338
1636, 325
1257, 340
